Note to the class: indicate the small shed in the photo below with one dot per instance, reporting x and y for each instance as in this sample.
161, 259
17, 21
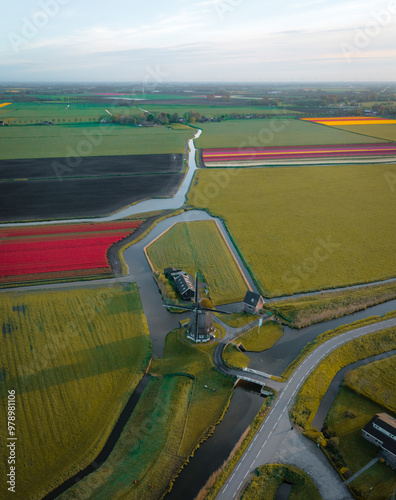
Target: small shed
253, 302
169, 271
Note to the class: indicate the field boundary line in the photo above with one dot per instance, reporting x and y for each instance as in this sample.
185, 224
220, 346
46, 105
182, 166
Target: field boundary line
233, 256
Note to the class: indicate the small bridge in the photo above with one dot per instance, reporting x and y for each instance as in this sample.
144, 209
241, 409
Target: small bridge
247, 374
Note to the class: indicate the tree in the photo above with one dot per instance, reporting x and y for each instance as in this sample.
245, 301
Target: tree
174, 118
333, 443
162, 118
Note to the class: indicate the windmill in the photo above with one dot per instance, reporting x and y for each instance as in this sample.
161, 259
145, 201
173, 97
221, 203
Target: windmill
201, 326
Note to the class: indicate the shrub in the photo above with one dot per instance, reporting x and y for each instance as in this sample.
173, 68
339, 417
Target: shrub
316, 436
345, 473
333, 443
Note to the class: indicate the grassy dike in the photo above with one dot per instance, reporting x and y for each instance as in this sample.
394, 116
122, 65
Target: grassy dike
320, 339
234, 358
305, 311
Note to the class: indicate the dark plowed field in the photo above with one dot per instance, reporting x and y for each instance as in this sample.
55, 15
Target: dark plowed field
45, 168
35, 189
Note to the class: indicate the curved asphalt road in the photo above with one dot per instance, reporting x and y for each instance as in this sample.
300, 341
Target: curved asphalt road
277, 426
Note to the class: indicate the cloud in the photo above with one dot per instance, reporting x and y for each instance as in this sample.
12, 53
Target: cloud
190, 42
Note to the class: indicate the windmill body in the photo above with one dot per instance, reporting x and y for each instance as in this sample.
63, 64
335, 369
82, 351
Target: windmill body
201, 327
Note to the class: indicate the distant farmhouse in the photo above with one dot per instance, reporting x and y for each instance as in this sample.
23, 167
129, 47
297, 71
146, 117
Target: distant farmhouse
253, 302
183, 282
381, 430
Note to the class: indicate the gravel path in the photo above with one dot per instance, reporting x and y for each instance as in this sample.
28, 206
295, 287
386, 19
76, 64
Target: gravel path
299, 451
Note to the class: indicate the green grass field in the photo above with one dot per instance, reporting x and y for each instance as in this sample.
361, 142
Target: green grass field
357, 452
378, 482
259, 340
268, 478
385, 132
184, 400
215, 111
306, 228
153, 96
64, 112
272, 132
305, 311
236, 320
94, 140
234, 357
200, 246
30, 113
375, 381
73, 358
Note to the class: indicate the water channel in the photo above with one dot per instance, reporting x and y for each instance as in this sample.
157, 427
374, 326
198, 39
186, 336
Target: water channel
278, 358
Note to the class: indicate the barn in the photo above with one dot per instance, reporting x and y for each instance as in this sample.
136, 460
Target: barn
185, 285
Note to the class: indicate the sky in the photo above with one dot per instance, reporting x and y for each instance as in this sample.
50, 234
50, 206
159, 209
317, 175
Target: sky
198, 40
